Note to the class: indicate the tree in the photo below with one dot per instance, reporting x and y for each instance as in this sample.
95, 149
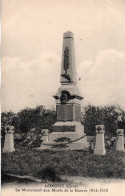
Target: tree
38, 118
90, 119
41, 118
102, 115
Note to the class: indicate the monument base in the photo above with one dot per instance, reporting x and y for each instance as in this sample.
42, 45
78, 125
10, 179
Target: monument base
120, 140
71, 136
7, 150
9, 140
119, 149
99, 151
100, 143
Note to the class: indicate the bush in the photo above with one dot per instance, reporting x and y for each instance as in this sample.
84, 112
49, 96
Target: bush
106, 115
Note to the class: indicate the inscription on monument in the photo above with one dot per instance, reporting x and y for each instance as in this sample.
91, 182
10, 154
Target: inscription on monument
64, 112
64, 129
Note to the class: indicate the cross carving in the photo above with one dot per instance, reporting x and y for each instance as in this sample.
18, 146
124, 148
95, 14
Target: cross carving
7, 129
99, 129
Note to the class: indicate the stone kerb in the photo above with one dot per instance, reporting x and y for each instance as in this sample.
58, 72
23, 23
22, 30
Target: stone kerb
120, 140
100, 144
9, 139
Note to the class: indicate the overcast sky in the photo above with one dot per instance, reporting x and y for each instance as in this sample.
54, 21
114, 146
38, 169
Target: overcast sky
32, 35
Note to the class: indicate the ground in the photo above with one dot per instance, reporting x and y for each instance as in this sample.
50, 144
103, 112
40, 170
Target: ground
52, 165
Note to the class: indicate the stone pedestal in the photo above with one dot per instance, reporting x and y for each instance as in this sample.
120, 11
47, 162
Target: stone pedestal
9, 139
45, 135
120, 140
71, 132
100, 145
70, 109
74, 131
45, 139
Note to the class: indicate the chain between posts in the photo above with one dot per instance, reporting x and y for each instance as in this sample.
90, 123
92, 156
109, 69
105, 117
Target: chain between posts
61, 143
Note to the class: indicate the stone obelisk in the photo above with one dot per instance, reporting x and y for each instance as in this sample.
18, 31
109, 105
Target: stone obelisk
68, 97
68, 101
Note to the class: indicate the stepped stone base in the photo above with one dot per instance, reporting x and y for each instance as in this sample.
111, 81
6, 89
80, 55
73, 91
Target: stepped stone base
76, 136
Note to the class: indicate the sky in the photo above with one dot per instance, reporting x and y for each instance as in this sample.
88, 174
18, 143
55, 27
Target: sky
32, 36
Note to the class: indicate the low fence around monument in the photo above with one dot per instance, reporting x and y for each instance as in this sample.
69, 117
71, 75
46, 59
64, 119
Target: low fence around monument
63, 144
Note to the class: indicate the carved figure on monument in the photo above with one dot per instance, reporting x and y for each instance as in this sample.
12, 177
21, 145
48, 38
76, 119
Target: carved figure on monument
65, 96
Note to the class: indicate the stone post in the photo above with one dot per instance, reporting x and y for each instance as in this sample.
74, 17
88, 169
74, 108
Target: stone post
9, 139
120, 140
45, 135
100, 144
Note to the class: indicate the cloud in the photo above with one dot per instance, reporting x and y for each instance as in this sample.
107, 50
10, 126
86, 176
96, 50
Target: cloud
28, 28
30, 73
30, 83
103, 82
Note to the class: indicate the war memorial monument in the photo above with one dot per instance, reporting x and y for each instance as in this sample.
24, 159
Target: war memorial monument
68, 127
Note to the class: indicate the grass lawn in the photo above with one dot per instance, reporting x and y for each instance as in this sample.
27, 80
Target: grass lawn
36, 163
